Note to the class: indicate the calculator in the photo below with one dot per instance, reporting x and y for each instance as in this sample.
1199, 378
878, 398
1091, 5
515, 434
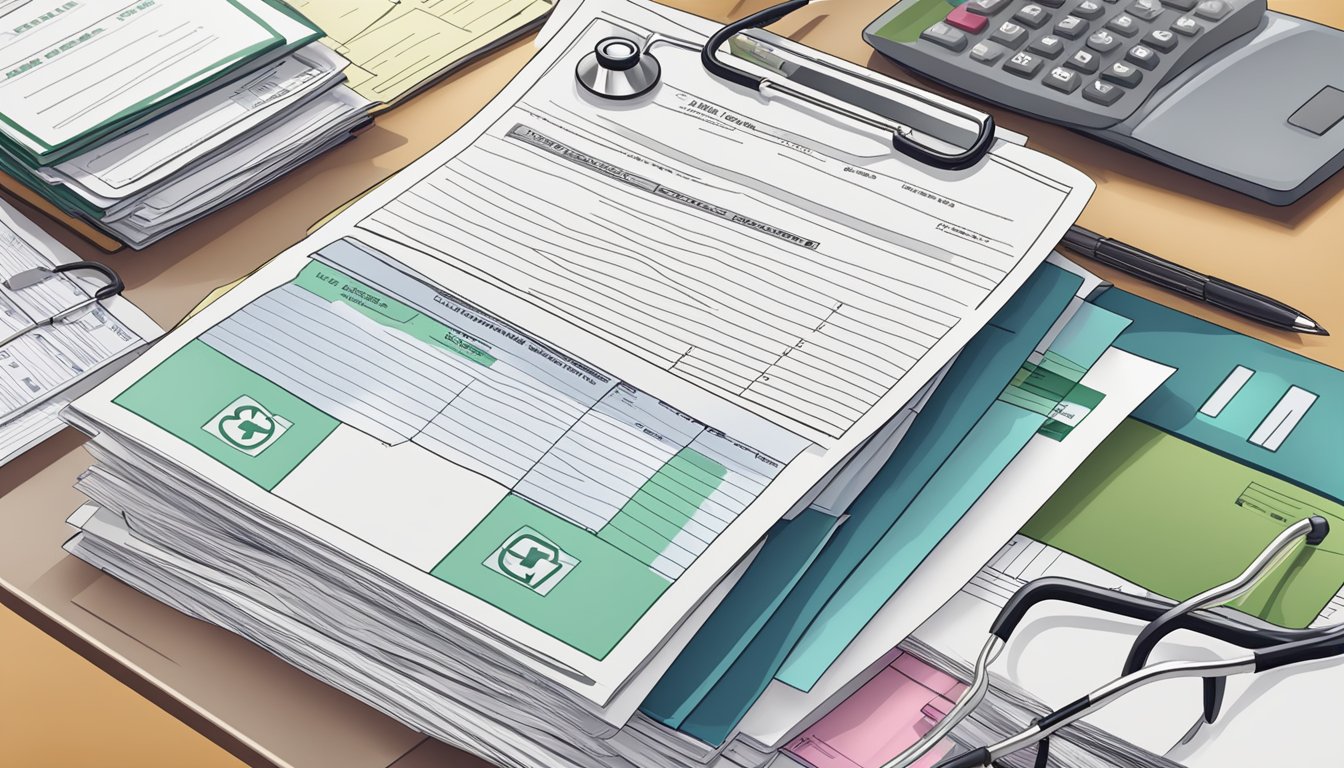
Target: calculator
1225, 90
1088, 63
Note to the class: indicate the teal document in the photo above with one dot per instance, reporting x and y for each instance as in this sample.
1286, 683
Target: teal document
789, 549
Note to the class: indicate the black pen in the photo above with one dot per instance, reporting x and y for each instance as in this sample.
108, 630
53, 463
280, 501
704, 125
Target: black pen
1174, 277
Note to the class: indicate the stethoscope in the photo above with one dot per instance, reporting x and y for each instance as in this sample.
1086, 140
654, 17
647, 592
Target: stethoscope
623, 68
113, 286
1269, 648
30, 277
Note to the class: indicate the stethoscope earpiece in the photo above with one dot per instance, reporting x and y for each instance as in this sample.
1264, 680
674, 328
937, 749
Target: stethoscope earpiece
618, 68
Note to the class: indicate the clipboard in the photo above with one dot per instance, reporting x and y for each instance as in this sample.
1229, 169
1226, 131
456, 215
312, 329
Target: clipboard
100, 239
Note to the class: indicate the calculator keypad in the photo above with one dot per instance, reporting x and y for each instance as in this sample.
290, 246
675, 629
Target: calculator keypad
1095, 57
1124, 24
1213, 10
986, 52
989, 7
963, 19
1163, 40
946, 35
1089, 9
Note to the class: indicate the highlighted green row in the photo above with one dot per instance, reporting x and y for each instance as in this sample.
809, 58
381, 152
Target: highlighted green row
333, 285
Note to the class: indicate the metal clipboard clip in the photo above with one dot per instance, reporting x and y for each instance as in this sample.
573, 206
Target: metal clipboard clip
623, 68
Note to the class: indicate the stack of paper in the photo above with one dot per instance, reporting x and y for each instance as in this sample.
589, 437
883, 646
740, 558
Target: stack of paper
145, 115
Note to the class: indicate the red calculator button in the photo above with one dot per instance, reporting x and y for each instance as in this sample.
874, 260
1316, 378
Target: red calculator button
966, 21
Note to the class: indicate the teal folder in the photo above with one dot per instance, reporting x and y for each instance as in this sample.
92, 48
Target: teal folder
717, 701
790, 547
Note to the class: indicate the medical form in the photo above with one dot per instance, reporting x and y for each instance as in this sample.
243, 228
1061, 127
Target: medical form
562, 373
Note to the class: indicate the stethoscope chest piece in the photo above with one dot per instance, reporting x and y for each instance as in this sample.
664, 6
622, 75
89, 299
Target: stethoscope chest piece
618, 68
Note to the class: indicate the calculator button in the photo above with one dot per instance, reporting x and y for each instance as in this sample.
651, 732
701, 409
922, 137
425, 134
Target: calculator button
944, 35
1062, 79
986, 7
1143, 56
1051, 3
966, 21
1049, 46
1103, 41
1103, 93
1163, 40
1123, 24
1024, 64
1180, 5
1010, 34
1124, 74
986, 52
1213, 10
1186, 25
1145, 10
1071, 27
1032, 15
1084, 61
1089, 9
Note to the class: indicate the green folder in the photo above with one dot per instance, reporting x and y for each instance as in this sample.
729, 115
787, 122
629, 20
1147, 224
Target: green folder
1176, 518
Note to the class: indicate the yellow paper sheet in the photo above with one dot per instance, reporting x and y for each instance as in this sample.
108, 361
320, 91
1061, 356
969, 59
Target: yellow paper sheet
397, 46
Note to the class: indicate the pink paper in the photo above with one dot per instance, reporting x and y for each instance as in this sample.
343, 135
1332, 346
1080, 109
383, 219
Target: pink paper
880, 720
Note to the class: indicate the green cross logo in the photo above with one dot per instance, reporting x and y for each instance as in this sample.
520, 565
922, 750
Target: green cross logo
531, 560
247, 426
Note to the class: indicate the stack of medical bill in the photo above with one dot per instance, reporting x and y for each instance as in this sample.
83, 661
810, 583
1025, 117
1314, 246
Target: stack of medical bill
634, 434
141, 116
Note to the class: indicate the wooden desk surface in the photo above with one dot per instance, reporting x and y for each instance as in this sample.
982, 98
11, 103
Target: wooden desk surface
266, 712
